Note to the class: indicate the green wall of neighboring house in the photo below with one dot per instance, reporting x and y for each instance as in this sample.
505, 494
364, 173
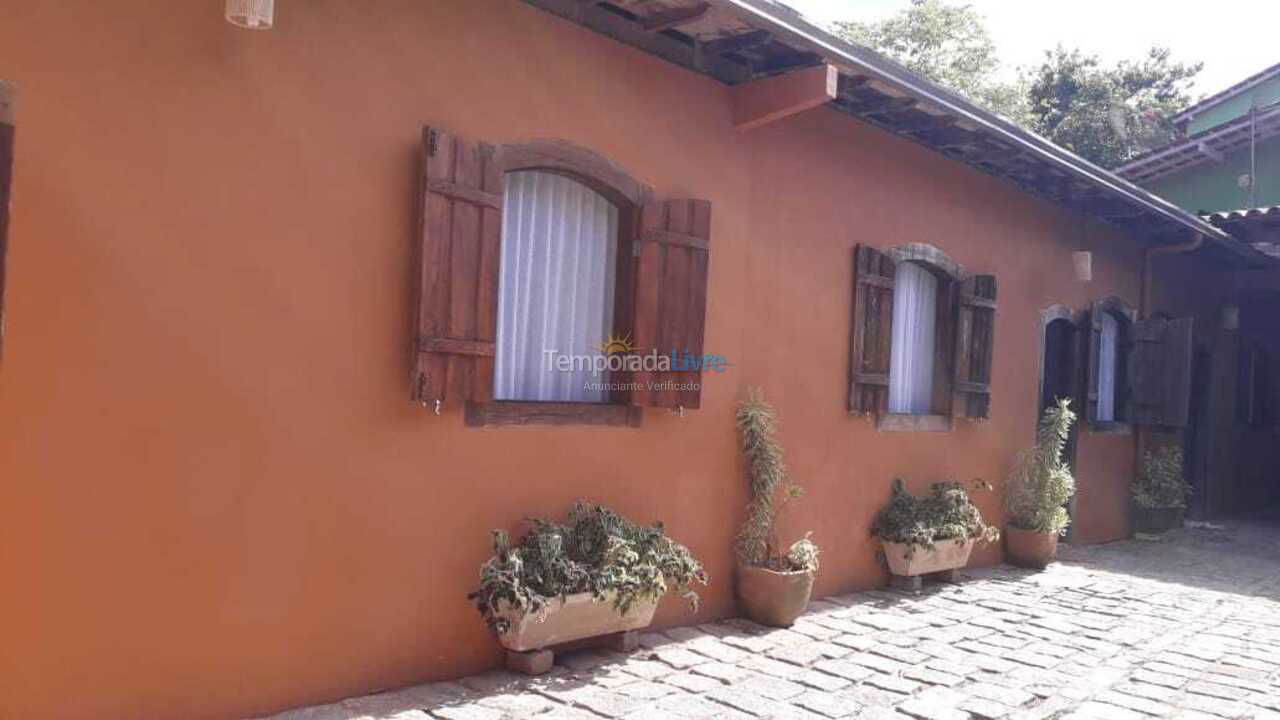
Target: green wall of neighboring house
1212, 187
1263, 94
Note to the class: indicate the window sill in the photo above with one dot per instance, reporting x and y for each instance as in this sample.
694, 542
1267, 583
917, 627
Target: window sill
1111, 428
897, 422
508, 412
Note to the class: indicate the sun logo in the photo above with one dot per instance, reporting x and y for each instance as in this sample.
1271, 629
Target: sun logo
617, 345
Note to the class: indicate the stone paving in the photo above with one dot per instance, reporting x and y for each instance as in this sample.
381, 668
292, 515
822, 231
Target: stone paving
1184, 628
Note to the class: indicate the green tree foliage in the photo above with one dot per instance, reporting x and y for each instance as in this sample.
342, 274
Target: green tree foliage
948, 44
1041, 483
1108, 114
1104, 113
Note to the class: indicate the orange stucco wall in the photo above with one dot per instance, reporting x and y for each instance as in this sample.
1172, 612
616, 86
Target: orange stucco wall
215, 499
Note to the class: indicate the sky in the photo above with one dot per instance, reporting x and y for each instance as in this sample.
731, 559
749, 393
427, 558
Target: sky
1234, 38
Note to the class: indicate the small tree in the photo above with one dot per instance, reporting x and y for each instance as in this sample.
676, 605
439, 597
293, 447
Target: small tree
1041, 483
1162, 483
757, 543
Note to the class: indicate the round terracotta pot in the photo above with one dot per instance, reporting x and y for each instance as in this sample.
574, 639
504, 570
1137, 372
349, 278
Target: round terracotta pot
1030, 549
773, 598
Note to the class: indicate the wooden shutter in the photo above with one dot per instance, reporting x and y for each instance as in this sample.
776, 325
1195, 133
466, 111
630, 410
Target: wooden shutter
975, 343
1254, 388
1160, 376
461, 229
871, 330
6, 182
672, 250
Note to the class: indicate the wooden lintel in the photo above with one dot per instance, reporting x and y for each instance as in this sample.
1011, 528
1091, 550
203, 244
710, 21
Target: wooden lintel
763, 101
674, 17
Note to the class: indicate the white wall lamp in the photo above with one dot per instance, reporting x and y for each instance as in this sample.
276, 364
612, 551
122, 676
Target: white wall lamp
1082, 261
251, 14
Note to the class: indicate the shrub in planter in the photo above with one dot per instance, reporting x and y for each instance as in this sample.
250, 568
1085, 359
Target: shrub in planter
773, 585
599, 572
1038, 490
1160, 492
933, 533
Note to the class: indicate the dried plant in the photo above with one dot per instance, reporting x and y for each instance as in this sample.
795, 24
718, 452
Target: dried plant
1041, 483
1162, 484
771, 492
946, 514
596, 551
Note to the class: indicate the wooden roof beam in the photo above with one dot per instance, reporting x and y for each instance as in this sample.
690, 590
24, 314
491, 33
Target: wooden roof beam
790, 61
760, 102
673, 17
736, 43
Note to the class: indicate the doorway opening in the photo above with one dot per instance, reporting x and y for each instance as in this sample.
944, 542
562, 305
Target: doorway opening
1059, 378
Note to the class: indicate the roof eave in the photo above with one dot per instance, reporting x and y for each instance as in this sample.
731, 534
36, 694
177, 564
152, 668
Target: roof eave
841, 52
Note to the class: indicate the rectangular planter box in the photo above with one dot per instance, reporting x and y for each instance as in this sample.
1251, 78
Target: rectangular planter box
576, 617
1154, 521
907, 561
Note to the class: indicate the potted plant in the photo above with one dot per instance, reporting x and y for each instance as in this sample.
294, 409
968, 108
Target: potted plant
773, 585
1038, 490
1160, 492
597, 574
933, 534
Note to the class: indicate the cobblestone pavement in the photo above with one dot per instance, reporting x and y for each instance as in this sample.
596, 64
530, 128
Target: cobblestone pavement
1184, 628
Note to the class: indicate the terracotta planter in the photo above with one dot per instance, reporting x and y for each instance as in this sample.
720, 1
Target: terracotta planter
1030, 549
1154, 521
773, 598
907, 560
576, 617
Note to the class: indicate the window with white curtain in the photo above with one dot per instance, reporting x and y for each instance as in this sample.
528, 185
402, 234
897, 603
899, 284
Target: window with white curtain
1108, 367
556, 287
915, 310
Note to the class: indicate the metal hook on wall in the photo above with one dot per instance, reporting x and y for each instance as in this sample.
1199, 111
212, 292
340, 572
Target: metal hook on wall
679, 411
439, 406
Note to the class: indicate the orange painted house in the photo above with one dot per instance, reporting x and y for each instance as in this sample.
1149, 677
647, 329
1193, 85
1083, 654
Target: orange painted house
243, 267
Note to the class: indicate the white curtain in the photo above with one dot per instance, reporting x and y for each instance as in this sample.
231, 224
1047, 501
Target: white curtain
555, 290
915, 310
1107, 360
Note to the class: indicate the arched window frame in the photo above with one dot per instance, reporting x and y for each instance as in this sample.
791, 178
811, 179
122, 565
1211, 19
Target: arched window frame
629, 196
1125, 317
1049, 316
949, 274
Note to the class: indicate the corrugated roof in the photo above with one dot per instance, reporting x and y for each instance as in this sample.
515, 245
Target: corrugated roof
1259, 227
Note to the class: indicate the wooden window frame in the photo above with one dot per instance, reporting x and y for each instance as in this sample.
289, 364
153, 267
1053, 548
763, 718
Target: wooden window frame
949, 274
1126, 316
629, 196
